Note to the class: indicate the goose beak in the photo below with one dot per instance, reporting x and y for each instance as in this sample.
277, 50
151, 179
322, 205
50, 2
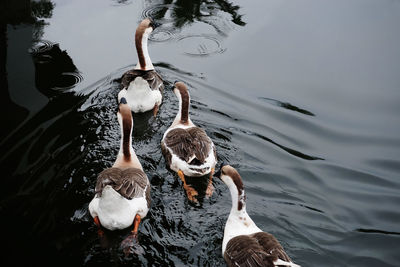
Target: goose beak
123, 101
154, 24
218, 173
173, 86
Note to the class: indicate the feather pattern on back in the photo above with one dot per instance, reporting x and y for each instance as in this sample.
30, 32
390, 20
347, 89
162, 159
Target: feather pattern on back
152, 77
191, 144
129, 183
259, 249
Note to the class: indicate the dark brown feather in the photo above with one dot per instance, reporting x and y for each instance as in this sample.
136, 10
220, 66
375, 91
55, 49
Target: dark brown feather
259, 249
151, 76
186, 143
127, 128
167, 155
148, 197
130, 183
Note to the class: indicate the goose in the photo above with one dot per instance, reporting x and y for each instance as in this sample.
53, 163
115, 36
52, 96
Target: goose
122, 192
186, 148
143, 86
244, 244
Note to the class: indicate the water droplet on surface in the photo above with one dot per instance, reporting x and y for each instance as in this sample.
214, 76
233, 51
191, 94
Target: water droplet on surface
160, 35
200, 45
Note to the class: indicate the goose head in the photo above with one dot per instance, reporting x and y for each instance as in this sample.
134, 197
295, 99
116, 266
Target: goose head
146, 26
124, 114
231, 177
180, 90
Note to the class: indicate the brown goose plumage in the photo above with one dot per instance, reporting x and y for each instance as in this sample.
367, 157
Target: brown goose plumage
151, 76
191, 145
259, 249
186, 148
129, 183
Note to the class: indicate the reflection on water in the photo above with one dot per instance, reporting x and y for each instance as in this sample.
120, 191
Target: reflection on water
200, 45
185, 12
32, 14
54, 69
221, 15
324, 210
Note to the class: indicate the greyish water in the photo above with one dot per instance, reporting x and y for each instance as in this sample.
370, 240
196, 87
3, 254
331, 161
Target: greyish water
302, 97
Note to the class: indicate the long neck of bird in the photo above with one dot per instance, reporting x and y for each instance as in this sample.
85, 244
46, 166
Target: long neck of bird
126, 149
144, 62
182, 116
238, 199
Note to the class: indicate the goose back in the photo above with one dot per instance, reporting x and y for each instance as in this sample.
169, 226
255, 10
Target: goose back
151, 76
129, 183
191, 145
258, 249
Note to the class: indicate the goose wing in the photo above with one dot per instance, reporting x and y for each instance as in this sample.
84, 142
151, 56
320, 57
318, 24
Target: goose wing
245, 251
152, 77
259, 249
201, 143
270, 244
188, 144
130, 183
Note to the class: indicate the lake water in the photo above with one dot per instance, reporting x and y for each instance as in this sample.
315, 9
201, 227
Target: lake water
302, 97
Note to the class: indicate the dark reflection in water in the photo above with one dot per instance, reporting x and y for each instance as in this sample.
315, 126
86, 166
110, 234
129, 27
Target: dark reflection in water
186, 12
54, 69
23, 12
8, 122
122, 2
175, 15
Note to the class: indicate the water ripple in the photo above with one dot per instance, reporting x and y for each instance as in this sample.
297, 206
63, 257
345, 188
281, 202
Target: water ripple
318, 209
287, 105
41, 46
200, 45
375, 231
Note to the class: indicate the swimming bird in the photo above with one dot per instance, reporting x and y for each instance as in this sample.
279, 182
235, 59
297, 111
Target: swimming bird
186, 148
143, 86
244, 244
122, 193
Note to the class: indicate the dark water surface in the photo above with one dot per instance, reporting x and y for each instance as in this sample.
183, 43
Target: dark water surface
302, 97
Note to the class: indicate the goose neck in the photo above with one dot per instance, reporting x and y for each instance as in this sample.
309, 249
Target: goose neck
144, 62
